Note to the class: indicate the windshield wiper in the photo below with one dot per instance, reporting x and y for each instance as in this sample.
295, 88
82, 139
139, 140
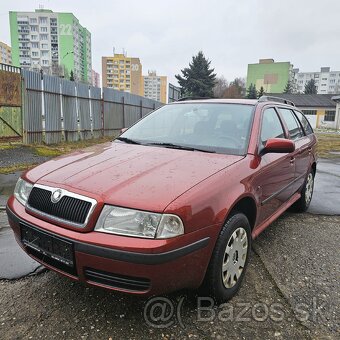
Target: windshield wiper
181, 147
128, 140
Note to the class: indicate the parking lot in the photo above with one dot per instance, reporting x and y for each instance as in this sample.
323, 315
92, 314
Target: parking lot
291, 289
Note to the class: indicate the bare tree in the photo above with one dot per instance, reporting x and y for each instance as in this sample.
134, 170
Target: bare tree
236, 89
220, 87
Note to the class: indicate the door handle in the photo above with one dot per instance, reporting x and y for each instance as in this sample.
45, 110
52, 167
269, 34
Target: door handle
292, 160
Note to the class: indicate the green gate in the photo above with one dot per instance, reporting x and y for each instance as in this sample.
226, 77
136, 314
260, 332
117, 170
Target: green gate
10, 103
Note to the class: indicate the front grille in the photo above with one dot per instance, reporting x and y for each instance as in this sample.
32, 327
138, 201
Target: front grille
68, 208
117, 281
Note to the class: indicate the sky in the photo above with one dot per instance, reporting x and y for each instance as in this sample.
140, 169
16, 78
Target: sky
231, 33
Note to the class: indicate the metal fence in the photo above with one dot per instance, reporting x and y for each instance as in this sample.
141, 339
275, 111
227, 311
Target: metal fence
174, 93
56, 109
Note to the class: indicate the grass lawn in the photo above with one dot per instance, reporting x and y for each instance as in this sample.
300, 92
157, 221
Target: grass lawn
328, 142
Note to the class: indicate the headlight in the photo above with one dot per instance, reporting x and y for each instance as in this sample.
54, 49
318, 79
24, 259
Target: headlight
22, 191
123, 221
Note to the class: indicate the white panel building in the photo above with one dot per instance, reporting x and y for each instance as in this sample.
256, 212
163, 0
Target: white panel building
326, 81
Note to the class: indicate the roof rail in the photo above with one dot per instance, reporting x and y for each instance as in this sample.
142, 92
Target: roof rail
192, 98
276, 99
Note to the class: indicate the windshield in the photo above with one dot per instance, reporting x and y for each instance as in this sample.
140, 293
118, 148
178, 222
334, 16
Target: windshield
210, 127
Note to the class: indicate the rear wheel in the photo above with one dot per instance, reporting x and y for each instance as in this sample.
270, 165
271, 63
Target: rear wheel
229, 259
306, 194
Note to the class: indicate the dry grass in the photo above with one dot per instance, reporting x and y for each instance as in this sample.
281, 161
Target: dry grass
66, 147
17, 167
48, 151
328, 142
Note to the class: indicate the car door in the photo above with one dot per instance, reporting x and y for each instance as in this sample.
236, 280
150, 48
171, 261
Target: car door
276, 173
302, 142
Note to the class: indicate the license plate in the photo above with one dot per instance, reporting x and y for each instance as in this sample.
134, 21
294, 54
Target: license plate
48, 245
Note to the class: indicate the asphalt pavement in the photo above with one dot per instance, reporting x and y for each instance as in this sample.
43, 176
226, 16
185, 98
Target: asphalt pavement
326, 198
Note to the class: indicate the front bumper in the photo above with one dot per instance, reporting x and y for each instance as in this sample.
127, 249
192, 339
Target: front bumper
133, 265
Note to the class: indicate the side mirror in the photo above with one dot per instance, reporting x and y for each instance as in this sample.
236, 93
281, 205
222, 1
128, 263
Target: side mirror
123, 130
278, 145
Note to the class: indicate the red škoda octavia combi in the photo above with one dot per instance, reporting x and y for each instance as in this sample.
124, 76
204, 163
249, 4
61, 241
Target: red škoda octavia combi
172, 203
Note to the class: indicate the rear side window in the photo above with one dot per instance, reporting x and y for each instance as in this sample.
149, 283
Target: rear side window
304, 122
295, 130
271, 126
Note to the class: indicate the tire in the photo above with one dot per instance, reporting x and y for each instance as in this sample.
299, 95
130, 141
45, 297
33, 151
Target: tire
223, 278
303, 203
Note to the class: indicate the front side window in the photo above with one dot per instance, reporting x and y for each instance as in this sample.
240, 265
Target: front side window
271, 126
295, 130
212, 127
304, 122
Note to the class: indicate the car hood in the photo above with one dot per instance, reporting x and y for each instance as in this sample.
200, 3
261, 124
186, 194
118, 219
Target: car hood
142, 177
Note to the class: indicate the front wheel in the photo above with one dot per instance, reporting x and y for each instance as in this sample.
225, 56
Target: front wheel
229, 259
306, 194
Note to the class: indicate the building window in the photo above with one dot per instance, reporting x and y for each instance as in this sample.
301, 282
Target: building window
33, 20
309, 112
43, 20
43, 29
35, 45
43, 37
35, 54
330, 116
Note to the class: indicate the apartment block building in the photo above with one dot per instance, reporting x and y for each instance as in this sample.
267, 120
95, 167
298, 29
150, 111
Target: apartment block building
95, 78
155, 87
5, 53
123, 73
272, 76
326, 81
55, 43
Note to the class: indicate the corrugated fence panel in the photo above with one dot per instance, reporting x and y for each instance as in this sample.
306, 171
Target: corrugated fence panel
70, 116
78, 110
52, 106
96, 112
32, 107
113, 118
84, 111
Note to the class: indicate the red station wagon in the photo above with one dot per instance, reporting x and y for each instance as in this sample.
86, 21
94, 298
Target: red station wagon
172, 203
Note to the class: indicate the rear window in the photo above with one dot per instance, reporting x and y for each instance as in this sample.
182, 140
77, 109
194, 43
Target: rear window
294, 127
304, 122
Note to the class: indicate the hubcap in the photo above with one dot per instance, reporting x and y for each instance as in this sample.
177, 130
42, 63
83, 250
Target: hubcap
235, 256
309, 188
